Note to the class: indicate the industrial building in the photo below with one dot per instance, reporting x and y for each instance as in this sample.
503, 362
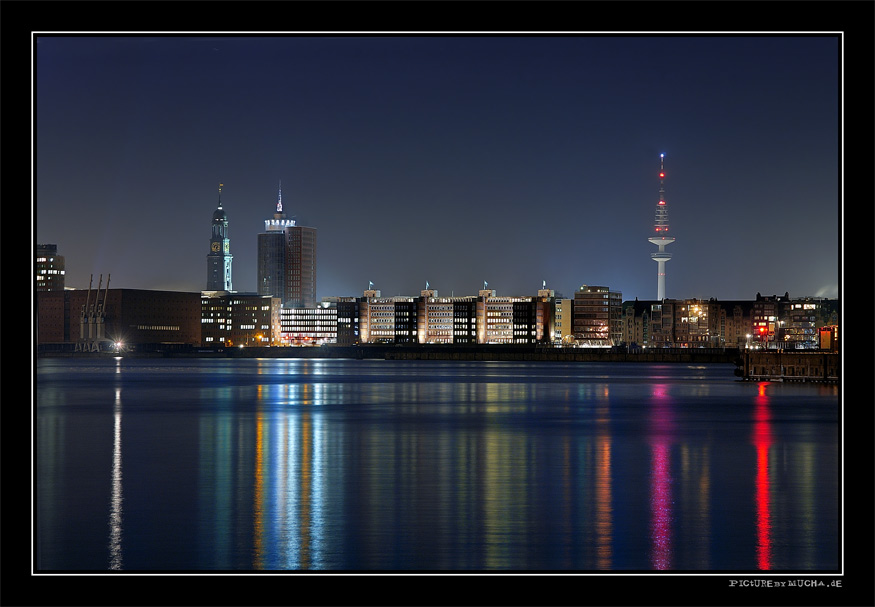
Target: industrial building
105, 319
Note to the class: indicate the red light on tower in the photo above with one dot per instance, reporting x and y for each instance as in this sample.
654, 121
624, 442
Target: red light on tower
661, 175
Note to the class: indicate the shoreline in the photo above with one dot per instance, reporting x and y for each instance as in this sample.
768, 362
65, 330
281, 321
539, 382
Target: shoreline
431, 352
810, 366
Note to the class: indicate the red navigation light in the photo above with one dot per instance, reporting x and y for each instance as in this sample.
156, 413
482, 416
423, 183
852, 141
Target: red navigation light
661, 175
661, 202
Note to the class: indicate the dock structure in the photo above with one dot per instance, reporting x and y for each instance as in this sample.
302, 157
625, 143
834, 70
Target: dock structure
790, 366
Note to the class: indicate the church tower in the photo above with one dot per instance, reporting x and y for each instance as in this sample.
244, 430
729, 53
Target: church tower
219, 258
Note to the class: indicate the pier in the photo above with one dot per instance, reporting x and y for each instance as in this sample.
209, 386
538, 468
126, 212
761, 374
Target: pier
790, 366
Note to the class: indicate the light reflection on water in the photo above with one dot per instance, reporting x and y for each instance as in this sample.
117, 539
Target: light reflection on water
421, 465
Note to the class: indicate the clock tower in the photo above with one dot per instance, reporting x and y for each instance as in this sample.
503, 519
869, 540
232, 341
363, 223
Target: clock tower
219, 258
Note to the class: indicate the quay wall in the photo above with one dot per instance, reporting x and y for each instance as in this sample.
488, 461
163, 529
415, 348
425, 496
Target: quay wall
439, 352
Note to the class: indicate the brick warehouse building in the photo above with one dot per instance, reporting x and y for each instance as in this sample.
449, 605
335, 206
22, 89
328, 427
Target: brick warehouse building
141, 319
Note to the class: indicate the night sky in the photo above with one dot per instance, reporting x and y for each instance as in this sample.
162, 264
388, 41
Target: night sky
449, 159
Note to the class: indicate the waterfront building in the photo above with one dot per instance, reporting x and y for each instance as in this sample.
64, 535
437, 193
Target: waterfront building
829, 338
495, 319
544, 315
782, 322
765, 319
597, 317
378, 319
97, 319
446, 320
686, 323
734, 323
309, 326
219, 258
465, 320
435, 320
240, 319
431, 319
514, 319
774, 322
50, 271
563, 318
348, 321
636, 322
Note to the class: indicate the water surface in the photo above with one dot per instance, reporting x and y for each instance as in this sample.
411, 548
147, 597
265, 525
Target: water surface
346, 465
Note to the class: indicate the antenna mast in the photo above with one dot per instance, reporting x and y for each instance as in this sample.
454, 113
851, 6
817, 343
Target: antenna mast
661, 238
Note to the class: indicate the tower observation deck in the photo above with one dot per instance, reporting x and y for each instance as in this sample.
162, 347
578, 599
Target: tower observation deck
661, 237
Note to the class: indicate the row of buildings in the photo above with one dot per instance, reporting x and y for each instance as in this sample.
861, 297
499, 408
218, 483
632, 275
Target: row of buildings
99, 318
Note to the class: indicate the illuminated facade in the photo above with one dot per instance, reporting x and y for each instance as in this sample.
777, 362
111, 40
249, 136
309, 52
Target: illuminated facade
514, 320
389, 320
49, 267
766, 322
348, 320
240, 319
431, 319
597, 317
766, 319
309, 326
686, 323
446, 320
219, 258
661, 238
781, 322
563, 332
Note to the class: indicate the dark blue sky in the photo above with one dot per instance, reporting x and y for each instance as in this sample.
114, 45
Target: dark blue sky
447, 159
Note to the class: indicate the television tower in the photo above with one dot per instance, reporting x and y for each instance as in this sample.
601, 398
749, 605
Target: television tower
661, 239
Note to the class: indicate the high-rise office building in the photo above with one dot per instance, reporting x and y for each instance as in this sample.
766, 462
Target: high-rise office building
300, 266
219, 258
272, 253
49, 268
287, 260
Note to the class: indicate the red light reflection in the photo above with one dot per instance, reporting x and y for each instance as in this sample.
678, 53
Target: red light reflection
661, 429
762, 439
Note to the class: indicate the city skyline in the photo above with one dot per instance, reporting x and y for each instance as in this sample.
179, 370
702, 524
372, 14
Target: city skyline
518, 160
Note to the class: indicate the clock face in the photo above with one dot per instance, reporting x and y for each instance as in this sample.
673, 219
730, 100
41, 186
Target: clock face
215, 247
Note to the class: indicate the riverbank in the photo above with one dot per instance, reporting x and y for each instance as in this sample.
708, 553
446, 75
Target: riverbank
436, 352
